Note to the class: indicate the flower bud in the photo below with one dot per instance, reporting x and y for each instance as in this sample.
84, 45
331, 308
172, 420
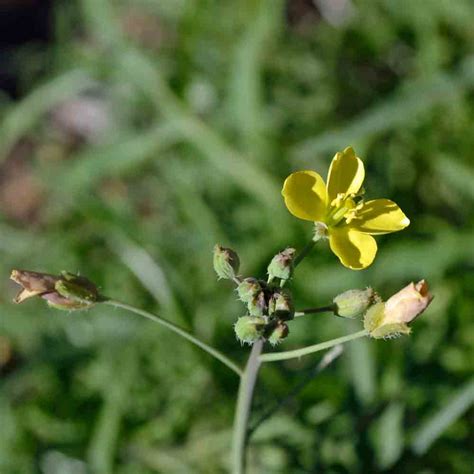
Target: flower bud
408, 303
281, 265
249, 329
391, 319
33, 284
280, 332
66, 291
281, 305
226, 262
257, 306
353, 303
248, 289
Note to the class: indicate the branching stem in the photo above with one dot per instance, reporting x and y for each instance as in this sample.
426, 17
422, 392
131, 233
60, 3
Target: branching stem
322, 309
244, 405
328, 358
310, 349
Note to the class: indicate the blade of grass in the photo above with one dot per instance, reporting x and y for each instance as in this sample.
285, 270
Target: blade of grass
147, 270
28, 112
101, 451
222, 157
115, 159
402, 109
433, 427
141, 72
245, 86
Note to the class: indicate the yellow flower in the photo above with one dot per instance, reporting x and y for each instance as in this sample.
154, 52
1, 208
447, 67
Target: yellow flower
339, 212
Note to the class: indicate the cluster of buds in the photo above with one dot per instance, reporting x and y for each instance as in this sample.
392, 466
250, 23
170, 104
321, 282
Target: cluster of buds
269, 306
65, 291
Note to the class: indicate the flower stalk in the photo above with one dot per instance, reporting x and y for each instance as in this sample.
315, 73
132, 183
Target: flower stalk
244, 405
305, 251
311, 349
321, 309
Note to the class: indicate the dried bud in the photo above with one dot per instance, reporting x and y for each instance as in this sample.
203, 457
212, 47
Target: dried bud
258, 305
353, 303
248, 289
249, 329
320, 231
391, 319
280, 332
66, 291
226, 262
281, 265
281, 305
33, 283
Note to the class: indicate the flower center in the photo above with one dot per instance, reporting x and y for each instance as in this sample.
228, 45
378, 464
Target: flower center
342, 206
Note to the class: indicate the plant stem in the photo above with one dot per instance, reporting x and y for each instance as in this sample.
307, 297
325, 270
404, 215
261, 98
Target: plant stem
244, 405
310, 349
178, 330
328, 358
322, 309
306, 249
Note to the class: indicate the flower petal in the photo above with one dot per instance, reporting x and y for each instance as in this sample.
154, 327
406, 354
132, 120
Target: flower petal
354, 249
305, 195
346, 174
380, 216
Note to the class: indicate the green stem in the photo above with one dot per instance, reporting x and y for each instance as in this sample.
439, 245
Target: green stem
308, 247
310, 349
180, 331
322, 309
244, 405
328, 358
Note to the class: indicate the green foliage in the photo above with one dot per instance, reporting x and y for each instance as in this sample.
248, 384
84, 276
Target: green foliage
210, 105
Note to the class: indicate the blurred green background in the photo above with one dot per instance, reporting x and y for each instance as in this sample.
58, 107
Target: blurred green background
144, 132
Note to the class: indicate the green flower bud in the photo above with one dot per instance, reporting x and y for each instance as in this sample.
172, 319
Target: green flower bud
248, 289
280, 332
66, 291
226, 262
258, 305
281, 305
354, 303
249, 329
281, 265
